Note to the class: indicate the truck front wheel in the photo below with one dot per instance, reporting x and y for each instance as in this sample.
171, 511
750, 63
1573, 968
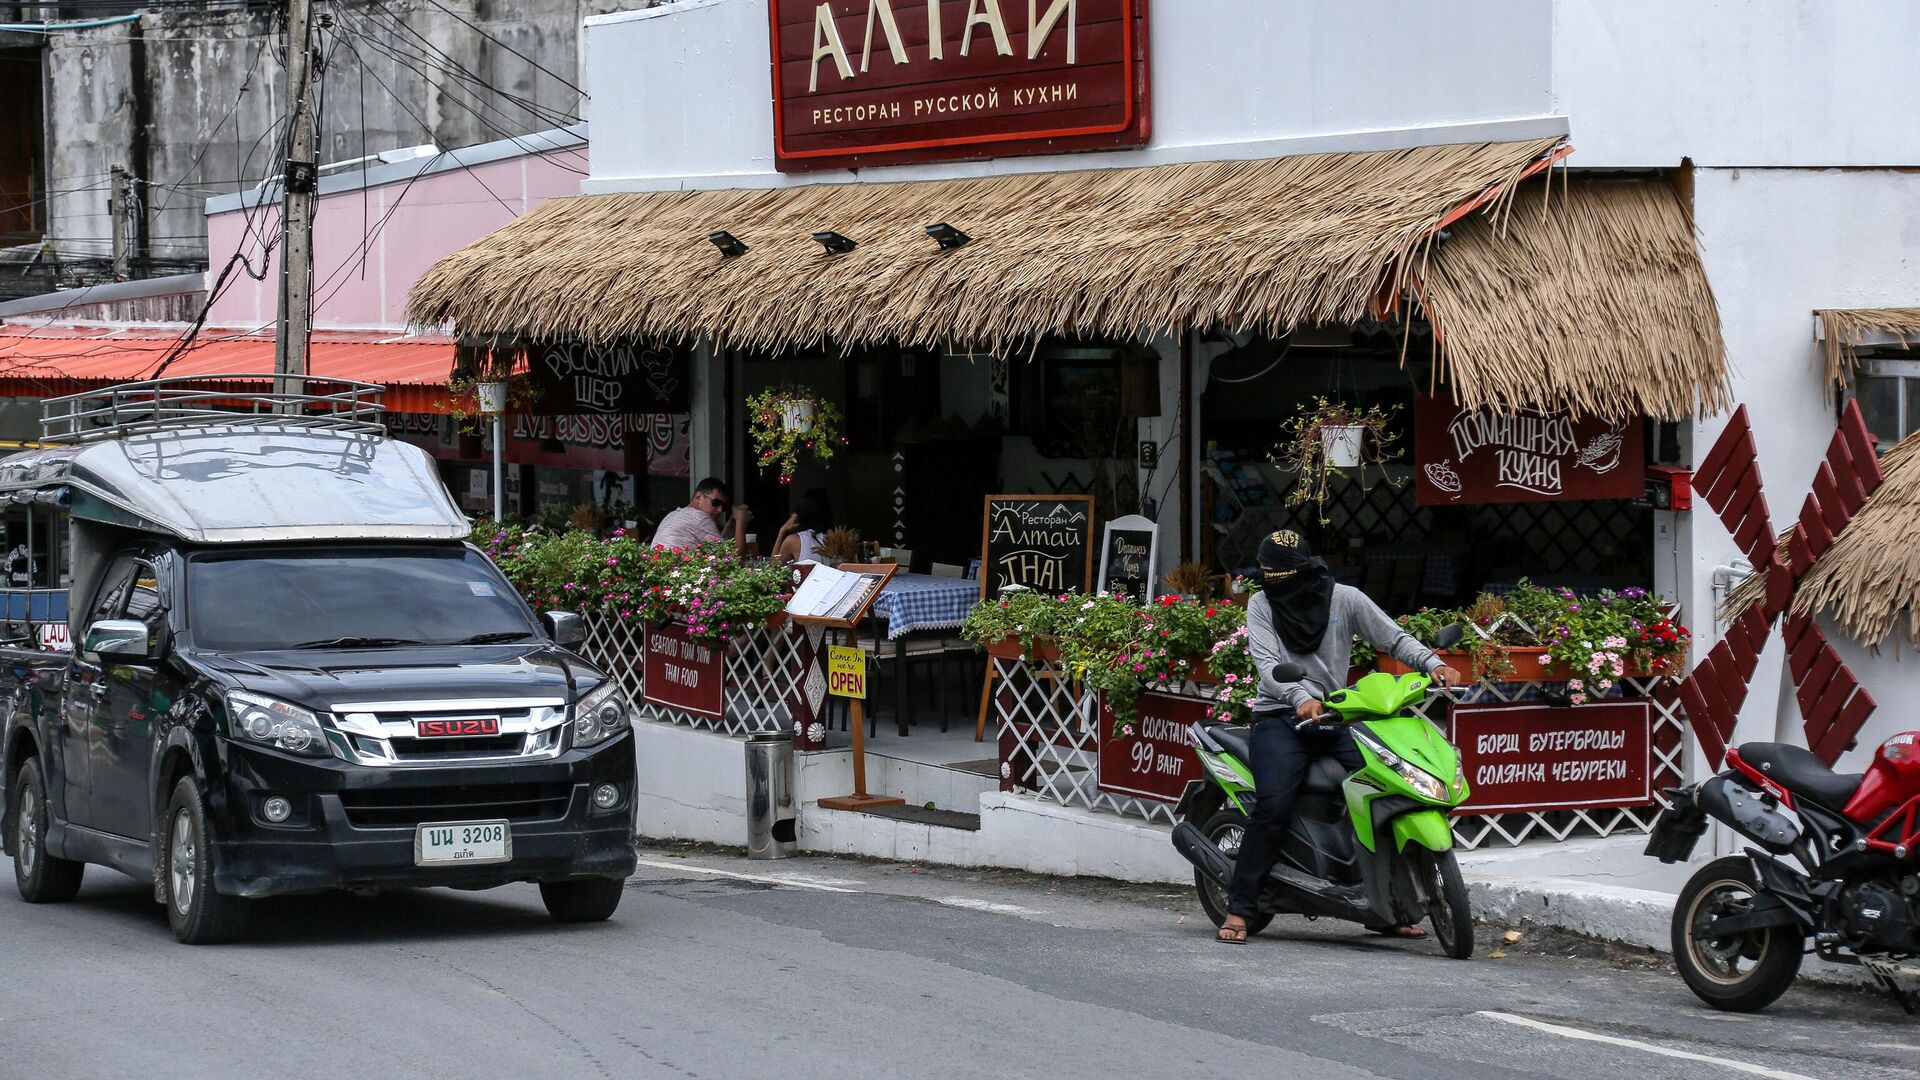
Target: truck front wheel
198, 913
582, 900
42, 878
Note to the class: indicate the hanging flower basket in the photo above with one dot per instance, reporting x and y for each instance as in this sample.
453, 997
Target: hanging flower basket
1341, 444
492, 397
788, 422
1328, 440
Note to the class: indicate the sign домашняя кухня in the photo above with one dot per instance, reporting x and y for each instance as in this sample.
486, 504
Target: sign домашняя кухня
1481, 456
874, 82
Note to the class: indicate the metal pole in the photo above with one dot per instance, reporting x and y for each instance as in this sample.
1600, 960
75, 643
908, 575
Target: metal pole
117, 213
499, 488
299, 181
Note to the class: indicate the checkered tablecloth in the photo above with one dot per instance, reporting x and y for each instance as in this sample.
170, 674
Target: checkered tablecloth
923, 602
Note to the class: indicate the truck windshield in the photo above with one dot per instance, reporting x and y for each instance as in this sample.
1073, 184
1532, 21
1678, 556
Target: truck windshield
350, 598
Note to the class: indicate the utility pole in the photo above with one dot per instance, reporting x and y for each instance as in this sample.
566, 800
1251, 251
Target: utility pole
300, 179
117, 213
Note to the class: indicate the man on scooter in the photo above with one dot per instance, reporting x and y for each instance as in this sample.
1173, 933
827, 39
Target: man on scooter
1301, 617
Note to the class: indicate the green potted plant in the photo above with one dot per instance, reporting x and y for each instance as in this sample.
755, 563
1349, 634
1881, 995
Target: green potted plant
1328, 440
487, 381
786, 422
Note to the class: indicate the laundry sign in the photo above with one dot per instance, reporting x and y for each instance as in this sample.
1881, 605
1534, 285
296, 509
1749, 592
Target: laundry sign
1465, 455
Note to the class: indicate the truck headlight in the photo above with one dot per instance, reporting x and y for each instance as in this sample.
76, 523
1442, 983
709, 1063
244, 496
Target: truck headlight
600, 715
278, 724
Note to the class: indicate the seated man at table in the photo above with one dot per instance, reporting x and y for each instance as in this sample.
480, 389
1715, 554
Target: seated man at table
698, 522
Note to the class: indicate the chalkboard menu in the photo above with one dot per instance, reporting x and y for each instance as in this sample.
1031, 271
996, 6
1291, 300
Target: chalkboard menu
571, 377
1042, 542
1128, 552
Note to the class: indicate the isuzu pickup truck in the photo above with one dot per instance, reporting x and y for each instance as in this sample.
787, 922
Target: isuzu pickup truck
283, 670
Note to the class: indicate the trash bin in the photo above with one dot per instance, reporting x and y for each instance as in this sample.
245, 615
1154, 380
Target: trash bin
771, 821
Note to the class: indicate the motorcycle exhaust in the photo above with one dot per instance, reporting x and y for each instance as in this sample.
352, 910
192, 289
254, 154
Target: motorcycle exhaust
1193, 845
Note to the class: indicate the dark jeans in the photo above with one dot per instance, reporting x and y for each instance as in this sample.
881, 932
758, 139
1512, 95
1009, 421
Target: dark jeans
1281, 756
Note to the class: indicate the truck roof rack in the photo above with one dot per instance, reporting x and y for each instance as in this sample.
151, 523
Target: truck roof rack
198, 401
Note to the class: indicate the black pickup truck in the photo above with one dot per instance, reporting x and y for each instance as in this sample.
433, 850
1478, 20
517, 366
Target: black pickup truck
290, 673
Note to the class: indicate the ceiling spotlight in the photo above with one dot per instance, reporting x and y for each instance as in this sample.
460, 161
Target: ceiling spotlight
730, 245
948, 236
834, 242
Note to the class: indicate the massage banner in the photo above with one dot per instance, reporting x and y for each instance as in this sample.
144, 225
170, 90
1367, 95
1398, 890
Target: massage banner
1467, 456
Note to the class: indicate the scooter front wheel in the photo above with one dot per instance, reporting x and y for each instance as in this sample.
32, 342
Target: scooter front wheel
1438, 875
1225, 829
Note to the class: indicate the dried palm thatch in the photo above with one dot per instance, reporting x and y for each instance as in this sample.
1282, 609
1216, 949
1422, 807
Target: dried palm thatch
1869, 580
1580, 295
1844, 330
1266, 245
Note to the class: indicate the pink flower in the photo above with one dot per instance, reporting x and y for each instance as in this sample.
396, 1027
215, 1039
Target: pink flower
1579, 699
1575, 684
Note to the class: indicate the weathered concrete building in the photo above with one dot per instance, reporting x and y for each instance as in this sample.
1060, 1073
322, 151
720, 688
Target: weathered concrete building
191, 100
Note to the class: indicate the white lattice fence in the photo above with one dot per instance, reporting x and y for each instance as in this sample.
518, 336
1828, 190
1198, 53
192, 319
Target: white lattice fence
1049, 748
773, 678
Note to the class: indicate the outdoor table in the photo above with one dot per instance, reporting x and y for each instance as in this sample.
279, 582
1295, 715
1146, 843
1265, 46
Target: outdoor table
919, 602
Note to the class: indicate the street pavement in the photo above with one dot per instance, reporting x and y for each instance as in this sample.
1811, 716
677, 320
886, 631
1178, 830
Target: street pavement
722, 968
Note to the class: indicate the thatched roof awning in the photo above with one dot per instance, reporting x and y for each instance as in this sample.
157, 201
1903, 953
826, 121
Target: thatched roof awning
1265, 244
1844, 330
1597, 305
1583, 295
1869, 580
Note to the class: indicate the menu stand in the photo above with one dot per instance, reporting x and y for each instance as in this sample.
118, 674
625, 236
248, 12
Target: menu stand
856, 720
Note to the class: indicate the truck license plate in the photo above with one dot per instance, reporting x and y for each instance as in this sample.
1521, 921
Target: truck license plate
462, 843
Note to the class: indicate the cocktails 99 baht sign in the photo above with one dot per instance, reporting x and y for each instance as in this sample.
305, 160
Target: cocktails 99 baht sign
876, 82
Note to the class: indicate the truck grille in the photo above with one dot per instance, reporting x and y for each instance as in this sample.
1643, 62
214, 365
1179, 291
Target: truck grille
453, 749
393, 808
383, 733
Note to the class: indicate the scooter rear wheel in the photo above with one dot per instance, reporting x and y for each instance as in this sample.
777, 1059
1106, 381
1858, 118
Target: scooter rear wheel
1225, 829
1438, 875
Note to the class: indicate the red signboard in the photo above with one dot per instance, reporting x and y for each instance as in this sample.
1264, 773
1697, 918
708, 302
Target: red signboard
1480, 456
1536, 757
680, 673
1157, 761
876, 82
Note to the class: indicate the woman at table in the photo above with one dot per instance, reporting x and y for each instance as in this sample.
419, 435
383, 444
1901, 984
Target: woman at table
799, 538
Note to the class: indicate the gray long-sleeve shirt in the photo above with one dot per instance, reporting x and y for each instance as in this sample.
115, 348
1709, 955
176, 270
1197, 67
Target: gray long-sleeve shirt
1352, 615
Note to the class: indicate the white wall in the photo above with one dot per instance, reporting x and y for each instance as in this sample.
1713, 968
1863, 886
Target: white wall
1225, 74
1738, 82
1778, 243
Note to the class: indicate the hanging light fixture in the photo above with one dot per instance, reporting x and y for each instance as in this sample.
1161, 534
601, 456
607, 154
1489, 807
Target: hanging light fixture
948, 236
834, 242
730, 246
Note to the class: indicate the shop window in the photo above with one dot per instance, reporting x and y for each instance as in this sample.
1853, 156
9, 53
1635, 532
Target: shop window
1888, 391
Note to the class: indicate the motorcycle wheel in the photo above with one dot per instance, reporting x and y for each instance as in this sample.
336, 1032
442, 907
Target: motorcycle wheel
1713, 969
1225, 830
1437, 875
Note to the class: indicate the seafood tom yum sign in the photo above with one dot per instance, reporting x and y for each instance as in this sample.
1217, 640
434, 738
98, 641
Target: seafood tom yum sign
1466, 456
875, 82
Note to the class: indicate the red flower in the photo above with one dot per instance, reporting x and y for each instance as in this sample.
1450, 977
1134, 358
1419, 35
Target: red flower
1211, 612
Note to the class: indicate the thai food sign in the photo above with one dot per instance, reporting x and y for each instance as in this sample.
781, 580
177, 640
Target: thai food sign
874, 82
1467, 456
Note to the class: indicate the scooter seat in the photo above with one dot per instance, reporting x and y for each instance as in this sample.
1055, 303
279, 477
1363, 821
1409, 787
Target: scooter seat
1801, 772
1324, 776
1236, 738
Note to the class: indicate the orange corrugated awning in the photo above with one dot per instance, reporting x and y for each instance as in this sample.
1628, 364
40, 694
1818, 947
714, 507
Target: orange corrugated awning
50, 361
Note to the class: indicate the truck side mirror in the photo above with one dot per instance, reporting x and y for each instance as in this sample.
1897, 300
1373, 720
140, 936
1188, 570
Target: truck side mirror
127, 641
567, 627
1449, 636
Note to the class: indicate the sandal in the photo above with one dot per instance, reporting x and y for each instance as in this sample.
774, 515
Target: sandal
1231, 935
1410, 933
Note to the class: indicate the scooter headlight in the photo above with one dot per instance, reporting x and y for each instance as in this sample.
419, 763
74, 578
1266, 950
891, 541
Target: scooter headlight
1423, 782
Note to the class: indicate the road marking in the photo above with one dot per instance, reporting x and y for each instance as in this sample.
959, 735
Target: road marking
790, 882
972, 904
1635, 1044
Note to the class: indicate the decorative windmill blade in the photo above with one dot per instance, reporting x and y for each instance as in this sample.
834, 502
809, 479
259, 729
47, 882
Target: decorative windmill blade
1832, 702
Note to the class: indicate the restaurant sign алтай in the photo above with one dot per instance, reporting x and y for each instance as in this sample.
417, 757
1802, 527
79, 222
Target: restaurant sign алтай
877, 82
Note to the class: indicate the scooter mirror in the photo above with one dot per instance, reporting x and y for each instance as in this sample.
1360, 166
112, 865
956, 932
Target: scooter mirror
1449, 636
1288, 672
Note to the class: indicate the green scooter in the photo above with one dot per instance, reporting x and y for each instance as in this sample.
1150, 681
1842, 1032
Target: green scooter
1373, 847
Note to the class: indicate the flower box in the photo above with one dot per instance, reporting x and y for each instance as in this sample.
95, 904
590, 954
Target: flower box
1008, 648
1530, 664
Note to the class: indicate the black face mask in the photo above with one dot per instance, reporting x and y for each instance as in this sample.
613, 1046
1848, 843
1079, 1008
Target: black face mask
1299, 589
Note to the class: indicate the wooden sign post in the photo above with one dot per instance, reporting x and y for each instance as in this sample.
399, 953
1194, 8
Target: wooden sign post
846, 613
1042, 542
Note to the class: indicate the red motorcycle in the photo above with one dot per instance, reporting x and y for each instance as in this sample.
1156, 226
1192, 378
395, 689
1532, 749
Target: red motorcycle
1742, 923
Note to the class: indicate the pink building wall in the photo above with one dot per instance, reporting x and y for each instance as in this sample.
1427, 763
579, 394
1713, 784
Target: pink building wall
436, 214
